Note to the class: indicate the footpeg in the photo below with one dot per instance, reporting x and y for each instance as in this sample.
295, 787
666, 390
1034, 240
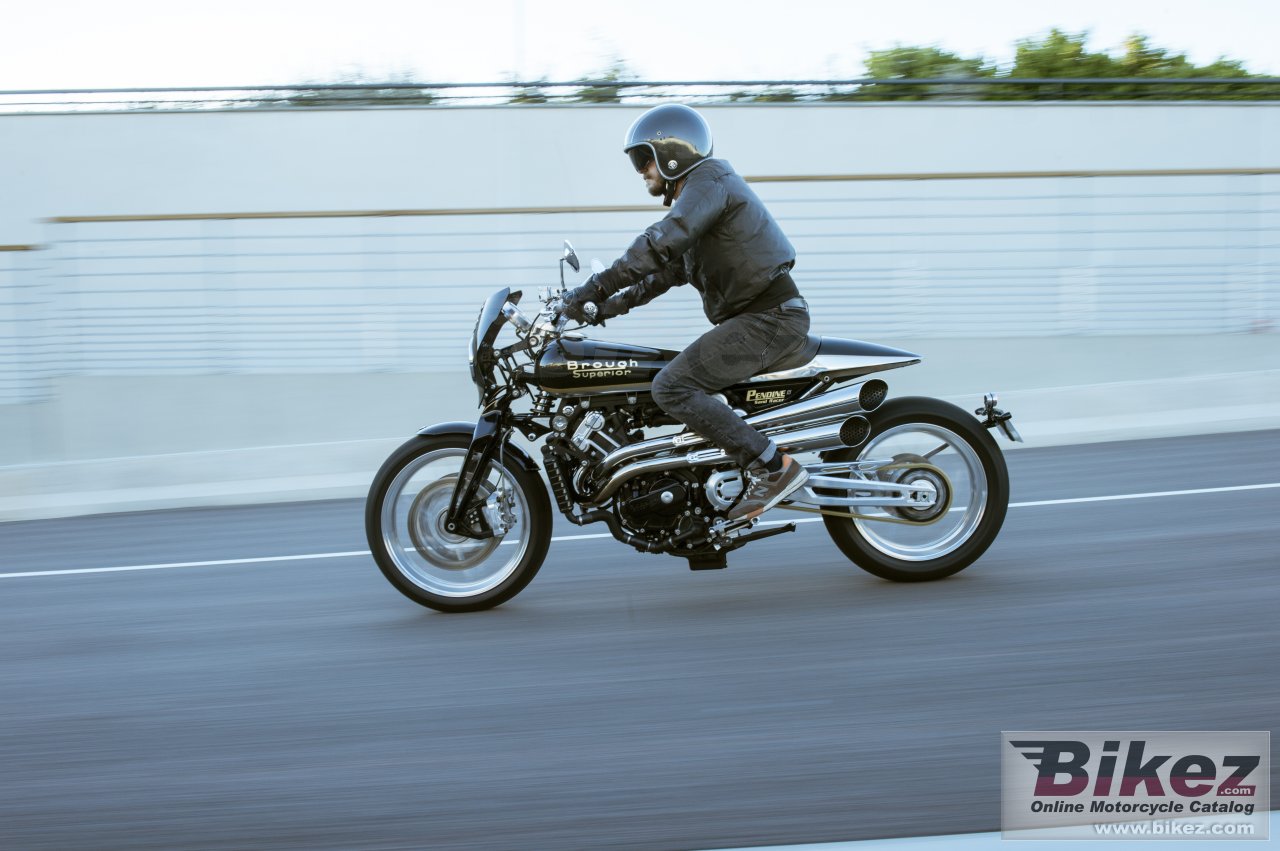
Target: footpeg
765, 533
717, 560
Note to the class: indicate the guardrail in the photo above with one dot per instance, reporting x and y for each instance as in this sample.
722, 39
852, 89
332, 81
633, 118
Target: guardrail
532, 93
25, 341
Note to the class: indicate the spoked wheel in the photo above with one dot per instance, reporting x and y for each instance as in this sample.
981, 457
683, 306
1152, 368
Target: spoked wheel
925, 442
405, 521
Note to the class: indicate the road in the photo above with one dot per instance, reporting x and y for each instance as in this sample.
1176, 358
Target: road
620, 701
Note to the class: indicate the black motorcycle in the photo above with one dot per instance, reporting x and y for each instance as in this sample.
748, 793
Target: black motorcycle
459, 519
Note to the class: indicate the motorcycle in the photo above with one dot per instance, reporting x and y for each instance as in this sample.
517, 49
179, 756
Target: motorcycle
458, 518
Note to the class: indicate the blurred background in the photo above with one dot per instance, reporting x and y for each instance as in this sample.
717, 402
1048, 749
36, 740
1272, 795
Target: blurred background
209, 301
242, 249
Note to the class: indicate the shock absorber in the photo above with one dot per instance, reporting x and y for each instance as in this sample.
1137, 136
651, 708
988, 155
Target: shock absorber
555, 475
564, 499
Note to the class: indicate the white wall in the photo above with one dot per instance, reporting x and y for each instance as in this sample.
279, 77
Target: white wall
248, 161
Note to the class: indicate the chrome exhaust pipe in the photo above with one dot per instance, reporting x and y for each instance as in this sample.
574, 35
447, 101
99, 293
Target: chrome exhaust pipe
823, 408
849, 432
859, 398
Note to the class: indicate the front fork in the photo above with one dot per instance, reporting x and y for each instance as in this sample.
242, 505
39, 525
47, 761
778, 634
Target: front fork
466, 515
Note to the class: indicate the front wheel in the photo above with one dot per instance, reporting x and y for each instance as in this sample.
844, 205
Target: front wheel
925, 441
405, 517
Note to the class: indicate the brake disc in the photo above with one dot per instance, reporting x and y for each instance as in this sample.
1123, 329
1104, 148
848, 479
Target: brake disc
433, 541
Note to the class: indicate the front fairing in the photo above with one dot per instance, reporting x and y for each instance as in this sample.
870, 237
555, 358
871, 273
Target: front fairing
488, 325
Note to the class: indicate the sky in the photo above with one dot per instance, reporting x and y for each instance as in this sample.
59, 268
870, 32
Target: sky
78, 44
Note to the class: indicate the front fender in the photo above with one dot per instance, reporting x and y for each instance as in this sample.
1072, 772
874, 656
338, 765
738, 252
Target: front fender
447, 428
509, 450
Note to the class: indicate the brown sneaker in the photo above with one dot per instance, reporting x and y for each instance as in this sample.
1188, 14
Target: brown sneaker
769, 489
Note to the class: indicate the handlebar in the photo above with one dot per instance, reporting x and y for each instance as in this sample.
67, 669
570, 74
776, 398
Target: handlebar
561, 320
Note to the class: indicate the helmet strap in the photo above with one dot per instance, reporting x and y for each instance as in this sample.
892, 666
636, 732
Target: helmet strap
668, 192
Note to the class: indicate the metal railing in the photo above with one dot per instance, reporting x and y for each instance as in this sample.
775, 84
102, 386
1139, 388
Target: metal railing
364, 291
26, 343
638, 92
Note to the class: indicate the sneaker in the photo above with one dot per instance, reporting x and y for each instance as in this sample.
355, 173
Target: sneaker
769, 489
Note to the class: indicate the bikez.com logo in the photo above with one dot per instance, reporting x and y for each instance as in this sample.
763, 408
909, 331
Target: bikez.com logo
767, 397
1066, 769
601, 368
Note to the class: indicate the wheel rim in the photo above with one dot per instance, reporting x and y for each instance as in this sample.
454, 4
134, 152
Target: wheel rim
425, 553
939, 533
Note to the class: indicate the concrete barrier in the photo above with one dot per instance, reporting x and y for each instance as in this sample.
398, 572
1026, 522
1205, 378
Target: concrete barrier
1060, 390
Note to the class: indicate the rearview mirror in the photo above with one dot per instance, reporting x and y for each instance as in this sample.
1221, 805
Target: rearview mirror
571, 257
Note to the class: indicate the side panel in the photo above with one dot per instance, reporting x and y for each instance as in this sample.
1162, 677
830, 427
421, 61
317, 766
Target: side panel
754, 397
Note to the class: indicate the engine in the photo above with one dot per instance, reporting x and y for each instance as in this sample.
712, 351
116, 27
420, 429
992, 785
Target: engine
659, 506
662, 504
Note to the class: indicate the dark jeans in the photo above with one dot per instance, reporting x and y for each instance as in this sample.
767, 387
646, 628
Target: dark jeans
733, 351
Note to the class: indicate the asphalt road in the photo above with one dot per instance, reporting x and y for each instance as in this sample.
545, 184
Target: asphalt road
620, 701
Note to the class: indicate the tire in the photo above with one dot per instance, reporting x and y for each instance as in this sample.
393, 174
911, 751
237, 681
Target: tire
449, 573
965, 525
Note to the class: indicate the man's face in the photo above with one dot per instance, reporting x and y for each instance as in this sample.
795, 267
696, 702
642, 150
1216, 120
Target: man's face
652, 180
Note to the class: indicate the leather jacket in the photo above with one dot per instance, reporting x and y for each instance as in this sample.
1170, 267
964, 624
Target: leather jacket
718, 237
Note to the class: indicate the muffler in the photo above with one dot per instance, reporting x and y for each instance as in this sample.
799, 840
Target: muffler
849, 432
860, 398
816, 410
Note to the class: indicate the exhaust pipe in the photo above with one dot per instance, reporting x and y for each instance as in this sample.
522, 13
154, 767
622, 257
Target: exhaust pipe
848, 432
820, 409
859, 398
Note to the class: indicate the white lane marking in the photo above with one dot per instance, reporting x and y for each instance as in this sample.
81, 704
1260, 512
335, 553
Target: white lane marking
171, 565
976, 842
309, 556
1151, 495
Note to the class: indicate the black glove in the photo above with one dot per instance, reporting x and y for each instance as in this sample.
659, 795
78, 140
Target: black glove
576, 299
614, 305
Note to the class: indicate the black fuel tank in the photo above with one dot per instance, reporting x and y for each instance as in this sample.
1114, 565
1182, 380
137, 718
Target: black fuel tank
574, 366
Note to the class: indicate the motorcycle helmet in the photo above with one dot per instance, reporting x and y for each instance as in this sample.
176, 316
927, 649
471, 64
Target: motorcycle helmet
673, 135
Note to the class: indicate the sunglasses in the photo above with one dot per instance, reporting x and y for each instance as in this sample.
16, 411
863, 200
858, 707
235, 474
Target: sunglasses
640, 158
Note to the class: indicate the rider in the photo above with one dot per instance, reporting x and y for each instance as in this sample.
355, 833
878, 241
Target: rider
719, 237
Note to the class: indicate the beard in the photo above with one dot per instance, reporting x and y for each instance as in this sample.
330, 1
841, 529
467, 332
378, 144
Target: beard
657, 188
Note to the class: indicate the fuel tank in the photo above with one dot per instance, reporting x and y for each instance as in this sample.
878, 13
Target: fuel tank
576, 367
572, 366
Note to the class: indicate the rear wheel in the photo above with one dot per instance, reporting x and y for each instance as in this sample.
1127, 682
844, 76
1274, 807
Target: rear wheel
405, 517
925, 442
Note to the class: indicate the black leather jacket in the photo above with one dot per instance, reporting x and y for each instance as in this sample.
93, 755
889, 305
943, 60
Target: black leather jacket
719, 237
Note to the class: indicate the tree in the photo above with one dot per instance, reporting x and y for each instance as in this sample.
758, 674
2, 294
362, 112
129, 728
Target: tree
916, 63
532, 92
361, 92
1064, 56
603, 88
769, 94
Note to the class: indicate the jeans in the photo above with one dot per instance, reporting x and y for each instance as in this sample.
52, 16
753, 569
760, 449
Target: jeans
733, 351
